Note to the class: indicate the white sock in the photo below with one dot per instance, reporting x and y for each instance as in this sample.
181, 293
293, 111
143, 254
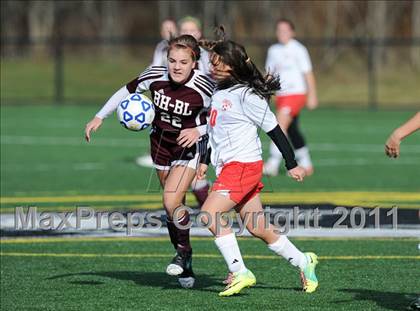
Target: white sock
286, 249
199, 184
303, 157
229, 248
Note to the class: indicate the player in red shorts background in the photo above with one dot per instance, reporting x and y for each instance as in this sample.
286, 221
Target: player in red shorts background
290, 60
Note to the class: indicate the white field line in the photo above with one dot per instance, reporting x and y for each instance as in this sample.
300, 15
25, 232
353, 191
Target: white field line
72, 141
46, 167
136, 142
97, 166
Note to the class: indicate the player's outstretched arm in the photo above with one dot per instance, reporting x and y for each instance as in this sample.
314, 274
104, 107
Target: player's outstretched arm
392, 145
109, 107
92, 125
312, 101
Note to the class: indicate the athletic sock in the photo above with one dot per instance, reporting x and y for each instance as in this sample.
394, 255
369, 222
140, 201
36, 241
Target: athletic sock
180, 238
287, 250
228, 247
172, 231
303, 157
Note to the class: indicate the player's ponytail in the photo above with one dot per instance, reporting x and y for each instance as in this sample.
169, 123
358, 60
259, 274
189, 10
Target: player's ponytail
243, 70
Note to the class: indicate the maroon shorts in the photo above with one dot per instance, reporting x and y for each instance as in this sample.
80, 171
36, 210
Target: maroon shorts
166, 152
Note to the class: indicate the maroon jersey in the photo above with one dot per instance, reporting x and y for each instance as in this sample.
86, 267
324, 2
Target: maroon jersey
177, 107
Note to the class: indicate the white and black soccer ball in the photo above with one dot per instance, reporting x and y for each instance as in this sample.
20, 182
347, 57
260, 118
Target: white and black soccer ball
136, 112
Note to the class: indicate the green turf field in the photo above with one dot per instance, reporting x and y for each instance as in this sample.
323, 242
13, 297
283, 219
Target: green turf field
128, 274
45, 161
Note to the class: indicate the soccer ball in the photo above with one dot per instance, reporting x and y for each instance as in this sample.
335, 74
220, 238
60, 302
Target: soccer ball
136, 112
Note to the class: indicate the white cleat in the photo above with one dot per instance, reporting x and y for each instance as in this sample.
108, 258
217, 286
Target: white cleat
174, 270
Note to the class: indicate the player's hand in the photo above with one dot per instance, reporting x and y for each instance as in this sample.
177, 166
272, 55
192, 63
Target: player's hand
392, 146
201, 171
312, 102
297, 173
93, 125
188, 137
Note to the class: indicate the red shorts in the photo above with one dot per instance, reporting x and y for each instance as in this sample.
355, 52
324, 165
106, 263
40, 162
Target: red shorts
241, 180
291, 104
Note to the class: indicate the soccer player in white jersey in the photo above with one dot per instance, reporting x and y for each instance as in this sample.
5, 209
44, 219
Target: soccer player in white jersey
290, 60
238, 108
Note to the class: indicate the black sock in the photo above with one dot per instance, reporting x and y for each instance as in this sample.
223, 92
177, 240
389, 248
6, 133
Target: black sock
183, 235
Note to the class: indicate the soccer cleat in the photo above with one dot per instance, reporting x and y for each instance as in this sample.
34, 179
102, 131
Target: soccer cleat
179, 263
187, 278
307, 275
239, 281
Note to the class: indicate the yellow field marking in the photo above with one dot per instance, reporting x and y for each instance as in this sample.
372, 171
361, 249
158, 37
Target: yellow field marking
340, 197
93, 255
166, 239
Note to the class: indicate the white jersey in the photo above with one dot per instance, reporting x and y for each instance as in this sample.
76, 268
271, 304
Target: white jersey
236, 114
290, 61
160, 55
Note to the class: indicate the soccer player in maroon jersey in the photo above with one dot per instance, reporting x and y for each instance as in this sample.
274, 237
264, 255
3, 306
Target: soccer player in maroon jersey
181, 95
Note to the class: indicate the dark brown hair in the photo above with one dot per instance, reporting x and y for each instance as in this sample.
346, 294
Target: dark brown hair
244, 71
287, 21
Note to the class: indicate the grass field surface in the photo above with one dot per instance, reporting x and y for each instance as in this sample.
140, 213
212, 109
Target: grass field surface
343, 84
45, 161
128, 274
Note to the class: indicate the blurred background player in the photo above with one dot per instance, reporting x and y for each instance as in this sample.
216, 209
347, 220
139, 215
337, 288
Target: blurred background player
188, 26
392, 145
168, 30
290, 60
179, 92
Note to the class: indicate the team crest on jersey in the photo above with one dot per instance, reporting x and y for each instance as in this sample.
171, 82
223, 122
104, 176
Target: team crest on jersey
226, 104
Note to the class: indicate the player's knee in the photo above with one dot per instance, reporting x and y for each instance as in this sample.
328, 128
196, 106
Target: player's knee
171, 204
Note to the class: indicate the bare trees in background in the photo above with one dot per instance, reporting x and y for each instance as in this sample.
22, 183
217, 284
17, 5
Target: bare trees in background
415, 26
247, 20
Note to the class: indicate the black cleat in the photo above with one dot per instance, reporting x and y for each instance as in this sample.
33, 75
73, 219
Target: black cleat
187, 277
